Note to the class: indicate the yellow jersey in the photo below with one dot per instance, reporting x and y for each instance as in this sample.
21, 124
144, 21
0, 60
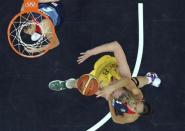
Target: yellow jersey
105, 69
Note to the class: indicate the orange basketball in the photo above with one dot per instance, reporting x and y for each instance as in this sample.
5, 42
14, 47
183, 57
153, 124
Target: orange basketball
87, 85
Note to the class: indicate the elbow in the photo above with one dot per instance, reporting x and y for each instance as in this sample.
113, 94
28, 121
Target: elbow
116, 46
126, 75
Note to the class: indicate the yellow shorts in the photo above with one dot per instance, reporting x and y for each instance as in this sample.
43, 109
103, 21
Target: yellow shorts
105, 69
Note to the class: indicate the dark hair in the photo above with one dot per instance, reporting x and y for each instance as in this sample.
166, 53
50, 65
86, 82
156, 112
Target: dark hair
147, 110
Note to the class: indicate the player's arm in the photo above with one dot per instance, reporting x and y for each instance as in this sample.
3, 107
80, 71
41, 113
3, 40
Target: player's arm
126, 83
122, 61
107, 91
118, 84
121, 119
129, 85
49, 33
55, 42
114, 47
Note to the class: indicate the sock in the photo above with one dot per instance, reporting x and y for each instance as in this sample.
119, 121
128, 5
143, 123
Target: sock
70, 83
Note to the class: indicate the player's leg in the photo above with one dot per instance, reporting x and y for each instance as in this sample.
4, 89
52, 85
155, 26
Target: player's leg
58, 85
150, 78
140, 81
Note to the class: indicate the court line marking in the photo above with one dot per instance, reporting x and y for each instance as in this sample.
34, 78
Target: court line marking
137, 64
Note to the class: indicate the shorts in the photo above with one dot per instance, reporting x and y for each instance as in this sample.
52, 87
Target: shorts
57, 15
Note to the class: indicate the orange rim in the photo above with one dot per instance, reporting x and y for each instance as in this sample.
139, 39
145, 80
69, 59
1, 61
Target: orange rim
29, 9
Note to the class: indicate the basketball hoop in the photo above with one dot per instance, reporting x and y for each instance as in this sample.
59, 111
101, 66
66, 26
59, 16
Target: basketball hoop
30, 17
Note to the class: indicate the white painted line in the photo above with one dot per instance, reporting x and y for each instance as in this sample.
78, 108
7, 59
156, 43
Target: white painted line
141, 40
137, 65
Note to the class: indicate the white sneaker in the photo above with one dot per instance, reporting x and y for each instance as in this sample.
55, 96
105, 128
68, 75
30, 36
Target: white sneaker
35, 36
70, 83
155, 80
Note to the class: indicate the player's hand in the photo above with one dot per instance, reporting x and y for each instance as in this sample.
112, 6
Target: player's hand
105, 93
83, 56
102, 94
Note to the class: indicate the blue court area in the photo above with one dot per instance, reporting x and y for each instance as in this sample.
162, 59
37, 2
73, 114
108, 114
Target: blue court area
26, 102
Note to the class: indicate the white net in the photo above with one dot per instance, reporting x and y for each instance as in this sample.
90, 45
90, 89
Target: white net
21, 41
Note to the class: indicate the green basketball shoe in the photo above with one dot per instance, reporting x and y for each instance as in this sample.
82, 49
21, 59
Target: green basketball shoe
58, 85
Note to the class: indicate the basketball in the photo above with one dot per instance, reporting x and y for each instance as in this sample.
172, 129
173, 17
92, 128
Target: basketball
87, 85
